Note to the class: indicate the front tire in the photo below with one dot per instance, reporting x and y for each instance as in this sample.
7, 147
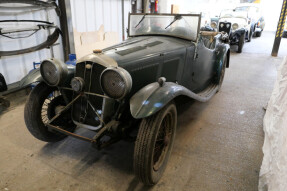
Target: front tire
154, 144
38, 111
250, 36
241, 43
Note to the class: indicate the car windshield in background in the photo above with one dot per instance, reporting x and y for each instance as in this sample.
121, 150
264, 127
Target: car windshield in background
182, 26
247, 8
233, 14
242, 8
253, 12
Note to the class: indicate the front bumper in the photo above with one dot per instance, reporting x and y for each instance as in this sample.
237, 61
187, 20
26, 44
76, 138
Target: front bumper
235, 36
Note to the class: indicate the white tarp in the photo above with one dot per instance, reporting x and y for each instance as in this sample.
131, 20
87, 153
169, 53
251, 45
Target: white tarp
273, 173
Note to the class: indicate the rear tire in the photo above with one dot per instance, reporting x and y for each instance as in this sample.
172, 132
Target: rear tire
250, 36
241, 43
258, 34
33, 114
154, 144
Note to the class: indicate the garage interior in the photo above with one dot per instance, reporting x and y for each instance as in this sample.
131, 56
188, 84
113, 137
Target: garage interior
218, 144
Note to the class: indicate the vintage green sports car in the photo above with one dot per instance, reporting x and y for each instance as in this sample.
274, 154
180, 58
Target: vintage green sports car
133, 85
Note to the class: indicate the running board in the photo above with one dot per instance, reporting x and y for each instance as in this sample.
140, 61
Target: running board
206, 94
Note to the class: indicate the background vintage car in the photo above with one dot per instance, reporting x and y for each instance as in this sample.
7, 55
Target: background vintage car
237, 25
255, 16
135, 83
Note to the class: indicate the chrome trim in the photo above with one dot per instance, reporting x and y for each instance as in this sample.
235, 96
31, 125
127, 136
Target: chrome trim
100, 59
126, 77
62, 69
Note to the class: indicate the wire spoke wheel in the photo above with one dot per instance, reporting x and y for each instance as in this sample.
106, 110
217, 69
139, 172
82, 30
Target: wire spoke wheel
46, 104
42, 104
154, 144
162, 142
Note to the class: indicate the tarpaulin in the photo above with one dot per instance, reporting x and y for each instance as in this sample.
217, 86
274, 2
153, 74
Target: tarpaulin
273, 173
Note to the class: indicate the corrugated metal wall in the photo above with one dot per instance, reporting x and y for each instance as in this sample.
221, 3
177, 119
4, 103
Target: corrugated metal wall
14, 68
87, 15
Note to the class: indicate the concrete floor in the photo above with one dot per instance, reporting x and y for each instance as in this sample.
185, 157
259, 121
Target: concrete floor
217, 147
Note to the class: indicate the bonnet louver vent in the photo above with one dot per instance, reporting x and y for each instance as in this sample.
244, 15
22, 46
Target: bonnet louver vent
137, 48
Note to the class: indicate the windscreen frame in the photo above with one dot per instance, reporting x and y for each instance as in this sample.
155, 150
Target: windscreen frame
165, 14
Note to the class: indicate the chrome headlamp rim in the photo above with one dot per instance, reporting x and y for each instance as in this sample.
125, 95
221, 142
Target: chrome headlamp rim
213, 24
78, 84
61, 68
125, 75
235, 26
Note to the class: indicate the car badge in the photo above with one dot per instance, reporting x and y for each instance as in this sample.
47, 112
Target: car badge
97, 51
88, 66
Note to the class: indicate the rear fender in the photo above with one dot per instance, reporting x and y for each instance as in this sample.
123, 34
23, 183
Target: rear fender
223, 51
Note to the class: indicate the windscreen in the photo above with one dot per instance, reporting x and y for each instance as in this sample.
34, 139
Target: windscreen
229, 13
182, 26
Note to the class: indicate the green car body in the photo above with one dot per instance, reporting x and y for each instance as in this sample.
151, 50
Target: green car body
111, 91
189, 67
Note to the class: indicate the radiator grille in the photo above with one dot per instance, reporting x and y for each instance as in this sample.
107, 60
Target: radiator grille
225, 27
82, 111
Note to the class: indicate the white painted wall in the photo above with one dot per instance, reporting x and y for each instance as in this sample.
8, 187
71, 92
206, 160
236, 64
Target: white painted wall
89, 15
187, 6
271, 11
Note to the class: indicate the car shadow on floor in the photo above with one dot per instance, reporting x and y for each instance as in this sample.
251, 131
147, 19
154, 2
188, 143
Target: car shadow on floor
85, 155
188, 110
119, 156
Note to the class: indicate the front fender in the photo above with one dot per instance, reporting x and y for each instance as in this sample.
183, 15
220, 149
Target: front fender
240, 31
153, 97
33, 76
235, 35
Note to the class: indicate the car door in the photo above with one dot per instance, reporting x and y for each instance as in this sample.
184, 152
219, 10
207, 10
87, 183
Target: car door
203, 67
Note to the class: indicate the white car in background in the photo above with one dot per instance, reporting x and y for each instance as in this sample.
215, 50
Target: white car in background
255, 17
236, 24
